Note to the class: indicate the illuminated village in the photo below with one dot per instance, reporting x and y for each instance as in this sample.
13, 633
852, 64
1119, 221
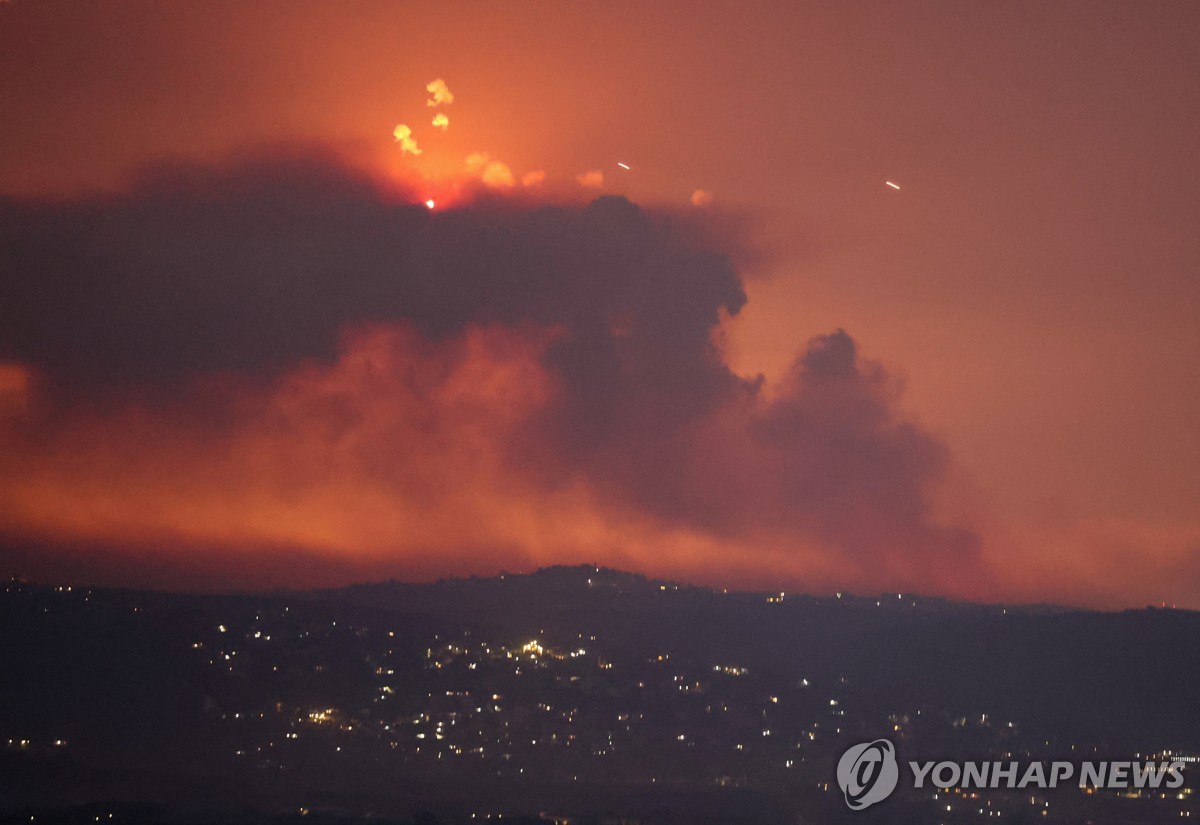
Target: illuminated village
326, 704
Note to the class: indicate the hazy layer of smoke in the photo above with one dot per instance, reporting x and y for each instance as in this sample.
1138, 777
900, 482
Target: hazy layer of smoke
257, 271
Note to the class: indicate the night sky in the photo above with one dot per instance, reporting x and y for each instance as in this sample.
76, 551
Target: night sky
239, 351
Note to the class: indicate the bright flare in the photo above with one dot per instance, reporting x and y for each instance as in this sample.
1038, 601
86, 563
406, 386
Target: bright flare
893, 185
429, 204
622, 165
403, 135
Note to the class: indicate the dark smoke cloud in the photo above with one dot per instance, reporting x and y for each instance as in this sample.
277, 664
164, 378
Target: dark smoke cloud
254, 267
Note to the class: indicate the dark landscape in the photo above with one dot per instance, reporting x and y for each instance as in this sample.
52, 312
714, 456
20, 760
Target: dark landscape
573, 693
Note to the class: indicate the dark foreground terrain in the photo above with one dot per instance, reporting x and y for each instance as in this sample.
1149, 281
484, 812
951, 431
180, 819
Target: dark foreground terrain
572, 694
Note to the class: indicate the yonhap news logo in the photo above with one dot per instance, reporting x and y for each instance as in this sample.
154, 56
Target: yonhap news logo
869, 772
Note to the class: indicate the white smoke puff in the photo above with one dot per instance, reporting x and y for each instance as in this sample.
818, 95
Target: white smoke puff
441, 94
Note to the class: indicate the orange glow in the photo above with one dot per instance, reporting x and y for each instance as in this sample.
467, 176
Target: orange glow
475, 162
592, 179
14, 379
497, 175
15, 388
289, 472
390, 460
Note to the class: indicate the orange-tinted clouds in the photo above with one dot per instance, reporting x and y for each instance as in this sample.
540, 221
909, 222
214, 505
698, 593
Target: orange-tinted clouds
392, 460
278, 354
